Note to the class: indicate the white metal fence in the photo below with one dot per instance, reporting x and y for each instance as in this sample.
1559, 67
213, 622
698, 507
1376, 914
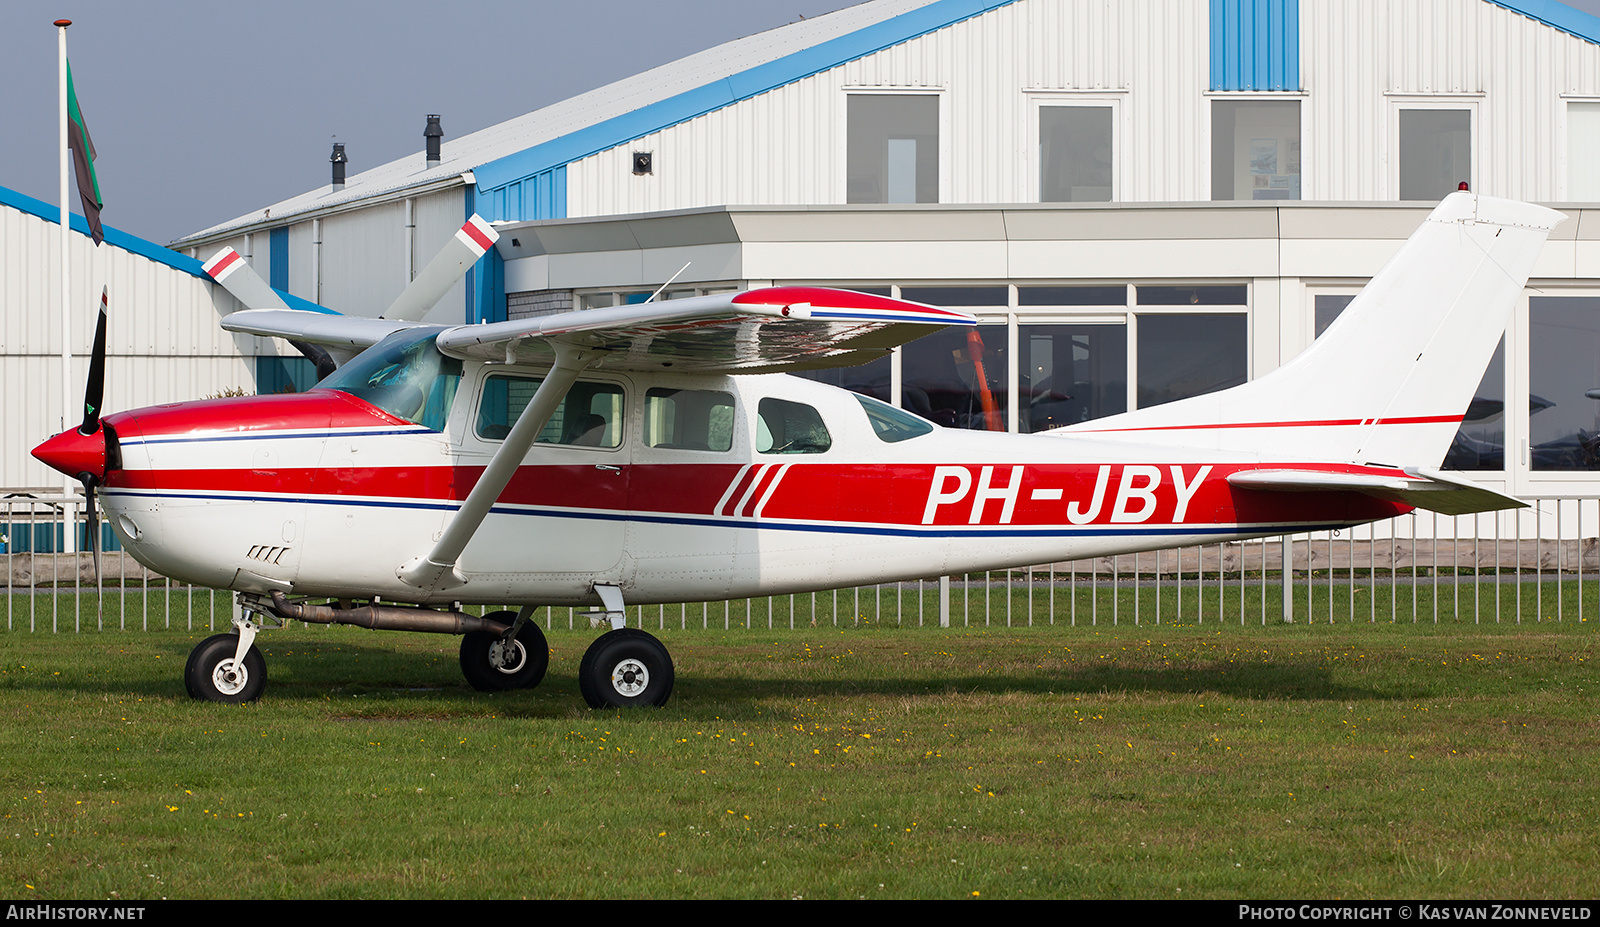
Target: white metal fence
1537, 564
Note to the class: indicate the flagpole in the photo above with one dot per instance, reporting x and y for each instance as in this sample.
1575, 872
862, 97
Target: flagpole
69, 511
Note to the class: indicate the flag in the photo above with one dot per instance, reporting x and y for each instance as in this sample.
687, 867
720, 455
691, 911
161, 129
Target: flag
83, 160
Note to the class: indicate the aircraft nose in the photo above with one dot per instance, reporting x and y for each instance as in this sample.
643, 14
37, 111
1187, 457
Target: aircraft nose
74, 453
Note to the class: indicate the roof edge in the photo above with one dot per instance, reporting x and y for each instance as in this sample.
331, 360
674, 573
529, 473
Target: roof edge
1557, 15
116, 237
729, 90
133, 244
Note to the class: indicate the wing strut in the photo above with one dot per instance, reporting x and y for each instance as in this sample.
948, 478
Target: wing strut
437, 571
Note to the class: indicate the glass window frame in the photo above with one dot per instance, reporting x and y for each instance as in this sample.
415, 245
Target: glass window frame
942, 154
619, 425
1299, 99
1466, 102
1039, 102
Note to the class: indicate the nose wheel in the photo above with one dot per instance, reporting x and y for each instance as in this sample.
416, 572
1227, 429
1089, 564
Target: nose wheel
625, 667
215, 674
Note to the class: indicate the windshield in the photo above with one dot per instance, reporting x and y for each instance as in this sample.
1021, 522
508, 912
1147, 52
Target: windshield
893, 425
405, 376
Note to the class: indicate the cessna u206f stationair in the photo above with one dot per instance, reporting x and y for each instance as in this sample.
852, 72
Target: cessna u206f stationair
648, 453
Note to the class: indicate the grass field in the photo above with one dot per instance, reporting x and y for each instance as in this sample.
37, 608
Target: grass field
1353, 760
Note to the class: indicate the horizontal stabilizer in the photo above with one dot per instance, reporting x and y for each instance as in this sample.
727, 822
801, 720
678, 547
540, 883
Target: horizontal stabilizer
463, 250
1436, 491
230, 269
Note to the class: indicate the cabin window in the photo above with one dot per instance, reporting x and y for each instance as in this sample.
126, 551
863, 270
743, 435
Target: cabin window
688, 419
405, 376
784, 427
893, 425
589, 416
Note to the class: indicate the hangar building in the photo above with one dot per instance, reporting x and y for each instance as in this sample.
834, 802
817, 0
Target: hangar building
1140, 199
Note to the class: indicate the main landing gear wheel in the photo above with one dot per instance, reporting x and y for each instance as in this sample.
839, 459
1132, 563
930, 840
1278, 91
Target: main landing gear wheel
491, 666
625, 667
212, 674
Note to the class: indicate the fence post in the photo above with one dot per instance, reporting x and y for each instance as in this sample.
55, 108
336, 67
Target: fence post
944, 601
1288, 581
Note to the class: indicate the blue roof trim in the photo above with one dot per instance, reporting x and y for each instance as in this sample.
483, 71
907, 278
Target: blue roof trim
1574, 22
121, 239
727, 91
134, 244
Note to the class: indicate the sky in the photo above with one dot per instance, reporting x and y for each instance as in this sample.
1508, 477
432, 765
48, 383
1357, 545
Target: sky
204, 111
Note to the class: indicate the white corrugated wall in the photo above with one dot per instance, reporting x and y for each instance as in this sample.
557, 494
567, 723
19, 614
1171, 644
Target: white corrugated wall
163, 342
1361, 61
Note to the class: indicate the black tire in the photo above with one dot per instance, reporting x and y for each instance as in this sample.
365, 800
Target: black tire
530, 657
211, 676
623, 668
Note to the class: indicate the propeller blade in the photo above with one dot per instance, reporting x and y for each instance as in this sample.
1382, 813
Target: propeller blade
94, 392
471, 241
92, 521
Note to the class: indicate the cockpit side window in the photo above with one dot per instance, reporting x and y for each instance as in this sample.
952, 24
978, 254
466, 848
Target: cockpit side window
688, 419
405, 376
893, 425
784, 427
589, 416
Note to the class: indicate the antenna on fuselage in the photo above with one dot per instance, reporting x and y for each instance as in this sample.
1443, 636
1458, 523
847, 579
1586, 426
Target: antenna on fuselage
668, 283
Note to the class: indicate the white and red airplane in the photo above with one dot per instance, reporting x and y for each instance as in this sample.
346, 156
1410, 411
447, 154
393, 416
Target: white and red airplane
656, 453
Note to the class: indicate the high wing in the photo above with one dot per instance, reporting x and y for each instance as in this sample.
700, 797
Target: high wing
758, 331
1424, 488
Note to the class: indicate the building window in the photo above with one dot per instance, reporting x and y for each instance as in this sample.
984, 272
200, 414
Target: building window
892, 151
1255, 150
1583, 143
1563, 369
1071, 373
1075, 154
1435, 152
957, 377
1188, 354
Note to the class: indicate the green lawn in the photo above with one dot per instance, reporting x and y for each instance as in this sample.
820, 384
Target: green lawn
1154, 761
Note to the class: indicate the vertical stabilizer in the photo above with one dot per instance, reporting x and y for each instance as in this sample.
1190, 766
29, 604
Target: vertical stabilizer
1390, 380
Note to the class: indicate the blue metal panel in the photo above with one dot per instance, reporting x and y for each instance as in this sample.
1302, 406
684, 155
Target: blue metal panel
551, 157
278, 258
1255, 44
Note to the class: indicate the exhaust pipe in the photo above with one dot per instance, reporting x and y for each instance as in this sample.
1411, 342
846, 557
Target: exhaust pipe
387, 617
